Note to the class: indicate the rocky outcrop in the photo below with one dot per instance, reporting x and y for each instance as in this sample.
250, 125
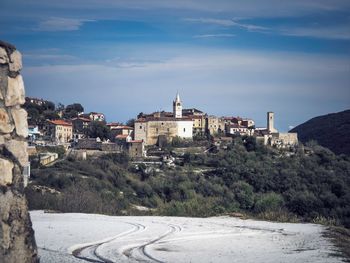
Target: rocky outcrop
17, 242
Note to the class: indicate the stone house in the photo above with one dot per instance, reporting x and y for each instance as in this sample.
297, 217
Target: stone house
236, 129
136, 148
80, 125
59, 131
199, 119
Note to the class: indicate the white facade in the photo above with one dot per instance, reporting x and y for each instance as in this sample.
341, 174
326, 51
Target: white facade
185, 129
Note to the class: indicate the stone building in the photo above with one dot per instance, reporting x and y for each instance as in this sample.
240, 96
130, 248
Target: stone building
236, 129
59, 131
80, 126
17, 243
160, 126
271, 136
199, 119
136, 148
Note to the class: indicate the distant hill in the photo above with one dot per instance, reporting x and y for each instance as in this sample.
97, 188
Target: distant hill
331, 131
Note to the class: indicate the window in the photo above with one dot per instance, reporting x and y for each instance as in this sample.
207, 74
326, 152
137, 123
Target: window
184, 129
156, 130
168, 129
140, 127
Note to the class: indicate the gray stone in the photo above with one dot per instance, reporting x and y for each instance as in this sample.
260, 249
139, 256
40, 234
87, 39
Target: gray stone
19, 116
15, 91
5, 123
6, 172
4, 138
18, 150
4, 59
15, 61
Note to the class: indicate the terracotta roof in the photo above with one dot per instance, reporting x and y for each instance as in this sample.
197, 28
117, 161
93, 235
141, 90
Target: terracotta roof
163, 119
136, 141
121, 136
113, 124
60, 122
81, 118
124, 127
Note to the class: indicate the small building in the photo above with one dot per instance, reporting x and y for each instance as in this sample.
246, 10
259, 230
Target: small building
47, 158
212, 125
33, 133
136, 149
80, 126
122, 130
59, 131
236, 129
94, 116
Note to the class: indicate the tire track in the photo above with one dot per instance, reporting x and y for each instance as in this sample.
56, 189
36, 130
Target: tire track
91, 250
142, 248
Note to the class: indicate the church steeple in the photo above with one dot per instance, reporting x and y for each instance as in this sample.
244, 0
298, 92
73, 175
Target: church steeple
177, 106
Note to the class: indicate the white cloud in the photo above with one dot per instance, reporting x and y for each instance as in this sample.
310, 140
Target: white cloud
61, 24
294, 85
226, 23
214, 36
340, 32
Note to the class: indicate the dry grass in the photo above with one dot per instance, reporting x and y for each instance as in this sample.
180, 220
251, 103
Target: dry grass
341, 238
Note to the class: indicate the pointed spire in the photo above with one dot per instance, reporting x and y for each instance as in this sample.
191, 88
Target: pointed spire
178, 97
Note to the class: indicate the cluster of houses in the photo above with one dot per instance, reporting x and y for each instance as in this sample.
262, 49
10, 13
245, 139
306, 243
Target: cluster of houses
158, 128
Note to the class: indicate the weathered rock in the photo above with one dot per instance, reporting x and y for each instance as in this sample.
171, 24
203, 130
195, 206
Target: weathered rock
18, 150
3, 80
17, 243
15, 61
19, 116
15, 91
5, 123
4, 138
3, 56
6, 172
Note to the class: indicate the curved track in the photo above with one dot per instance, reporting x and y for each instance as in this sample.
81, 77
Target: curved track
89, 252
141, 249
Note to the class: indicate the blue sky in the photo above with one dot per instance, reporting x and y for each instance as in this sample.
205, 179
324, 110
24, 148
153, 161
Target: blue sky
225, 57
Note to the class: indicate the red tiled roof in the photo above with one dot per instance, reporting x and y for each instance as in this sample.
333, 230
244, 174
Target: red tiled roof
81, 118
163, 119
121, 136
113, 124
124, 127
136, 141
60, 122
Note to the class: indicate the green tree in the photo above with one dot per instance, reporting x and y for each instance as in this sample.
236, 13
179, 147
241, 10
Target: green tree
99, 129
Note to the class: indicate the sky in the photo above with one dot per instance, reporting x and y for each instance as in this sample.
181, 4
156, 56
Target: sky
225, 57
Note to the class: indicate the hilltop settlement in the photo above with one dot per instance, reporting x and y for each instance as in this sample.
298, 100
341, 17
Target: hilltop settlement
89, 133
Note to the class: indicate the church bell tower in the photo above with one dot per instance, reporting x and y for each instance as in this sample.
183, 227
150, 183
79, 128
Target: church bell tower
177, 107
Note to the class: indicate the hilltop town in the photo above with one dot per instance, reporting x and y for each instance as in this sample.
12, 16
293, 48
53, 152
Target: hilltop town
86, 133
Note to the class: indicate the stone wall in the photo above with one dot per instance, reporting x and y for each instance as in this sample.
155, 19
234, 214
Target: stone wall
17, 242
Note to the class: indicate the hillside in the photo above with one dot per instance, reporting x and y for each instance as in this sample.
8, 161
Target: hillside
331, 131
247, 177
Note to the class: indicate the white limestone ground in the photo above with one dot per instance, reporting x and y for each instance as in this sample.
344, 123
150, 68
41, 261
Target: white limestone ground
98, 238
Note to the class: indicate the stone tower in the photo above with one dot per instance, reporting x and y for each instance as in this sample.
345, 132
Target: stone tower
17, 242
177, 107
270, 122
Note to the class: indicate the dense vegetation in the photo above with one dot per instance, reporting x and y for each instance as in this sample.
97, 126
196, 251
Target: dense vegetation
331, 131
247, 177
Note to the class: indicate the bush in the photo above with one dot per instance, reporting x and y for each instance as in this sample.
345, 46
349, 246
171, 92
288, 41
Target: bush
269, 202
